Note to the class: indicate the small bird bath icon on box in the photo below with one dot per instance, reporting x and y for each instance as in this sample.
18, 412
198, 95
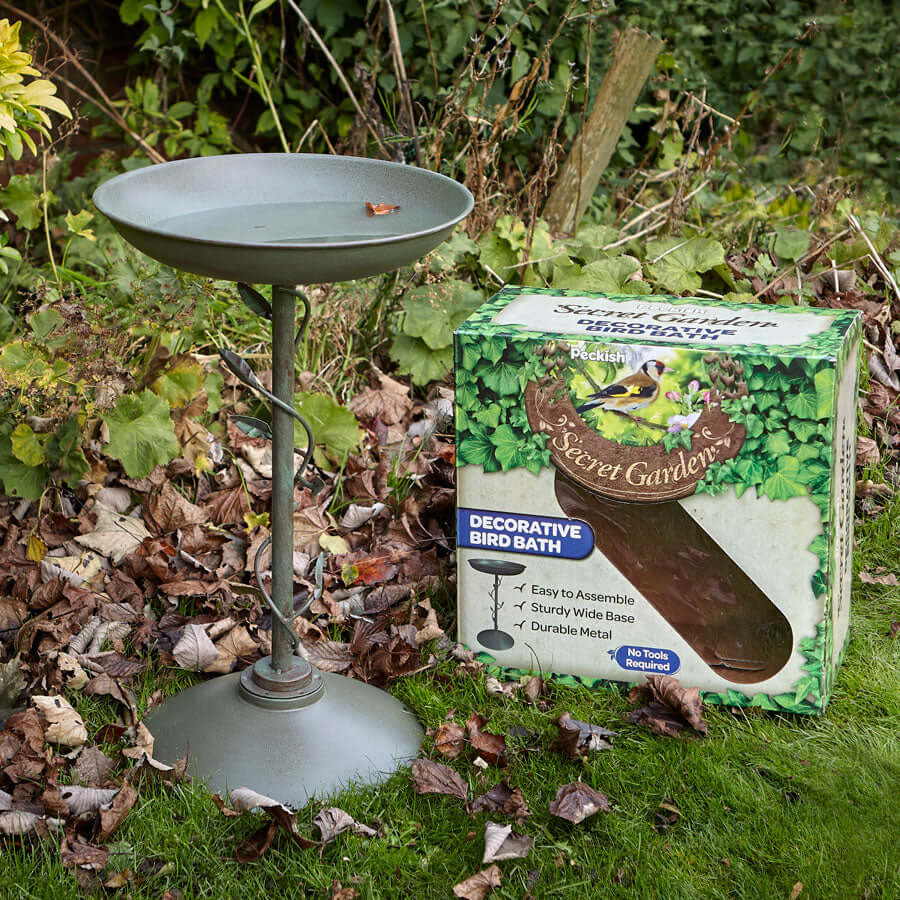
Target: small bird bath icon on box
494, 638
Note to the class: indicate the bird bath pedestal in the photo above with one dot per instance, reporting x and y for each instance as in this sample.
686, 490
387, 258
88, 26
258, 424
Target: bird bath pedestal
283, 727
494, 638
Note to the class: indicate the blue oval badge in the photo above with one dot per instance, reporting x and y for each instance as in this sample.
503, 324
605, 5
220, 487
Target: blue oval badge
648, 660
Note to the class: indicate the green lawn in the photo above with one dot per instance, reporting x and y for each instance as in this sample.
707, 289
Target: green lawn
766, 801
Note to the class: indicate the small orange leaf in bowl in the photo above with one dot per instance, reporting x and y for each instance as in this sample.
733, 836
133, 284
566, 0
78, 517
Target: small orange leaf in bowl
379, 209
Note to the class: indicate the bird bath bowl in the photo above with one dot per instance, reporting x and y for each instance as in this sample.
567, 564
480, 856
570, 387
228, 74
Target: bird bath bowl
283, 727
495, 638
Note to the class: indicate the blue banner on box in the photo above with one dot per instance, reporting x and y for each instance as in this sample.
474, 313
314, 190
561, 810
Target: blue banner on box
648, 660
520, 533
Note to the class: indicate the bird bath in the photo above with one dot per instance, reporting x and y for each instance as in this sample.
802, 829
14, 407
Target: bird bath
283, 727
494, 638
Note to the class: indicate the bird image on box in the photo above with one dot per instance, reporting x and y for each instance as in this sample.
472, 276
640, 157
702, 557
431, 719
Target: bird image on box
631, 392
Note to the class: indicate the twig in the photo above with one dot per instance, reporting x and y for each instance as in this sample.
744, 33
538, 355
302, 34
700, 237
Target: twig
662, 205
709, 108
72, 59
341, 77
808, 255
633, 237
637, 419
306, 134
400, 69
874, 255
430, 47
584, 111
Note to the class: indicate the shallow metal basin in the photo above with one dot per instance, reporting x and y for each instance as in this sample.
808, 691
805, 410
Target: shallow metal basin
280, 218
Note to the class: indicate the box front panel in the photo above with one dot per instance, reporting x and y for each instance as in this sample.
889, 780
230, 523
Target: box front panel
628, 509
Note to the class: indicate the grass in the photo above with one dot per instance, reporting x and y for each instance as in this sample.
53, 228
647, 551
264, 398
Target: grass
766, 801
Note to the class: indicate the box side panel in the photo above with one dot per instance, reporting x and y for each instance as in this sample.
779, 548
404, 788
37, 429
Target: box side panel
843, 489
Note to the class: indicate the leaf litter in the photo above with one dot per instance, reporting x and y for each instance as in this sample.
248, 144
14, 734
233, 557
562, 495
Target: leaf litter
156, 571
161, 566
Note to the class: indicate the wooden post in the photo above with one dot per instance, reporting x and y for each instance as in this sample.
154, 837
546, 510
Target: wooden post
633, 58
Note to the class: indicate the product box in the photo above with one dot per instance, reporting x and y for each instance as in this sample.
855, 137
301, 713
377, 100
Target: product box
658, 485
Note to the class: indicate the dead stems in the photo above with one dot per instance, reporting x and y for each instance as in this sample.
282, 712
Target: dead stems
402, 80
341, 77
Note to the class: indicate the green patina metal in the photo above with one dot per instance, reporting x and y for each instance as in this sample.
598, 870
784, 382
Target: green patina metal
283, 728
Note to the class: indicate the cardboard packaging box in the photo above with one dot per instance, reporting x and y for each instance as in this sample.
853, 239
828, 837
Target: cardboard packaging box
658, 485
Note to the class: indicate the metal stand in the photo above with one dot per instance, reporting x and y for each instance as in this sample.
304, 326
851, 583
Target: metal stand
283, 727
494, 638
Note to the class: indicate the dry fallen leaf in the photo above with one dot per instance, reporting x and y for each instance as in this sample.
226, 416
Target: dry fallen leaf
577, 738
170, 510
501, 842
888, 578
112, 818
866, 451
75, 853
502, 798
430, 777
245, 800
114, 535
495, 686
576, 801
19, 822
671, 706
85, 799
449, 740
379, 209
65, 726
236, 643
491, 747
93, 767
332, 820
143, 744
356, 516
479, 885
195, 650
389, 403
666, 815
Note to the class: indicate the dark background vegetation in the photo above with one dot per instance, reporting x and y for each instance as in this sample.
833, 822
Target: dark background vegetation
815, 79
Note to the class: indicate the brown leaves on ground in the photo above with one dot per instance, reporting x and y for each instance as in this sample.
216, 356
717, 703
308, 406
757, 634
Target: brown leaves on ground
281, 820
576, 738
501, 842
430, 777
449, 739
490, 747
478, 886
665, 815
669, 706
881, 576
330, 820
576, 801
502, 798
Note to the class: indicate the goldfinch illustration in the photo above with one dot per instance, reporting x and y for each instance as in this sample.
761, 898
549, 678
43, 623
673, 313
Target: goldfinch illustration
632, 392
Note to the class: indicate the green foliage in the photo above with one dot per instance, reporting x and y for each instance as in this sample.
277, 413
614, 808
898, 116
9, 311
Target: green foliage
835, 95
141, 435
676, 264
334, 428
423, 332
491, 425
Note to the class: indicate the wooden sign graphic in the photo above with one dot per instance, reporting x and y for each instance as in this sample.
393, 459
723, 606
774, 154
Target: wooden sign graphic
622, 471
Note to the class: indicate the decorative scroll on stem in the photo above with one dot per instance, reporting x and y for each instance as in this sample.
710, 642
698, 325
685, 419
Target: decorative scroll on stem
257, 428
